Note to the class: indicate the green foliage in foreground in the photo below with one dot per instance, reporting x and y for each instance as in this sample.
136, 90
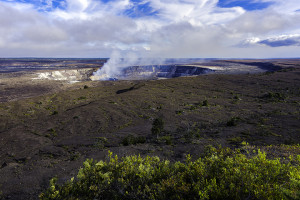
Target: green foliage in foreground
222, 174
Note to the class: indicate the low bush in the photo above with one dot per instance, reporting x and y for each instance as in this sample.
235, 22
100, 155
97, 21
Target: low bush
233, 121
167, 139
157, 126
221, 174
274, 97
205, 103
132, 140
54, 112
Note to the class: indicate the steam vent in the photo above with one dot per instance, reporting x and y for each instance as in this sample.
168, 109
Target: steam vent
154, 72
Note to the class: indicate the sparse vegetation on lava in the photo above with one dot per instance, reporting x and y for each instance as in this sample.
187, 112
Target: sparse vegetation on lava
52, 134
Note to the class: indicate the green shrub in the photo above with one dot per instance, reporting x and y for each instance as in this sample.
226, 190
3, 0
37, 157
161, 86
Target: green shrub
221, 174
157, 126
54, 112
233, 121
166, 139
132, 140
52, 133
100, 142
74, 156
193, 107
205, 103
179, 112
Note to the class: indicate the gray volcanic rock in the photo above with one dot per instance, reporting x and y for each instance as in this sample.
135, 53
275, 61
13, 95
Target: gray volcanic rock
71, 75
155, 71
164, 71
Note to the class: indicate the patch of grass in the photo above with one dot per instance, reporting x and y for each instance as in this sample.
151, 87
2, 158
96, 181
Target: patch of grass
100, 142
125, 125
246, 134
196, 106
235, 140
102, 139
74, 156
81, 98
274, 97
189, 133
265, 130
166, 139
193, 107
52, 133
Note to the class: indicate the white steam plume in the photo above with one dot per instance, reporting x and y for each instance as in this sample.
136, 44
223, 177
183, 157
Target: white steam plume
117, 62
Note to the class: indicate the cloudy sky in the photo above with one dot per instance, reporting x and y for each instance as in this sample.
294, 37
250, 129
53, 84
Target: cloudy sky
154, 28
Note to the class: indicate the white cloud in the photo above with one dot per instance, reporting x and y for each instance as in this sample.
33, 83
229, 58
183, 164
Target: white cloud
196, 12
285, 7
274, 41
180, 28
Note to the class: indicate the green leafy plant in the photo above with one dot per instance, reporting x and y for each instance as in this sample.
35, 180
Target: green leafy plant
221, 174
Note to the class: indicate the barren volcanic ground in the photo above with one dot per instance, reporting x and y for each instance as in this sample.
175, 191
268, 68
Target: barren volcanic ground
48, 128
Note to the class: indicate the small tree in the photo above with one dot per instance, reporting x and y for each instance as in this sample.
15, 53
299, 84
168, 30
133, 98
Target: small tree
205, 103
157, 126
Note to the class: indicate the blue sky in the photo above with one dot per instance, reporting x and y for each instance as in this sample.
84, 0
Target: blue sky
141, 8
150, 28
245, 4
